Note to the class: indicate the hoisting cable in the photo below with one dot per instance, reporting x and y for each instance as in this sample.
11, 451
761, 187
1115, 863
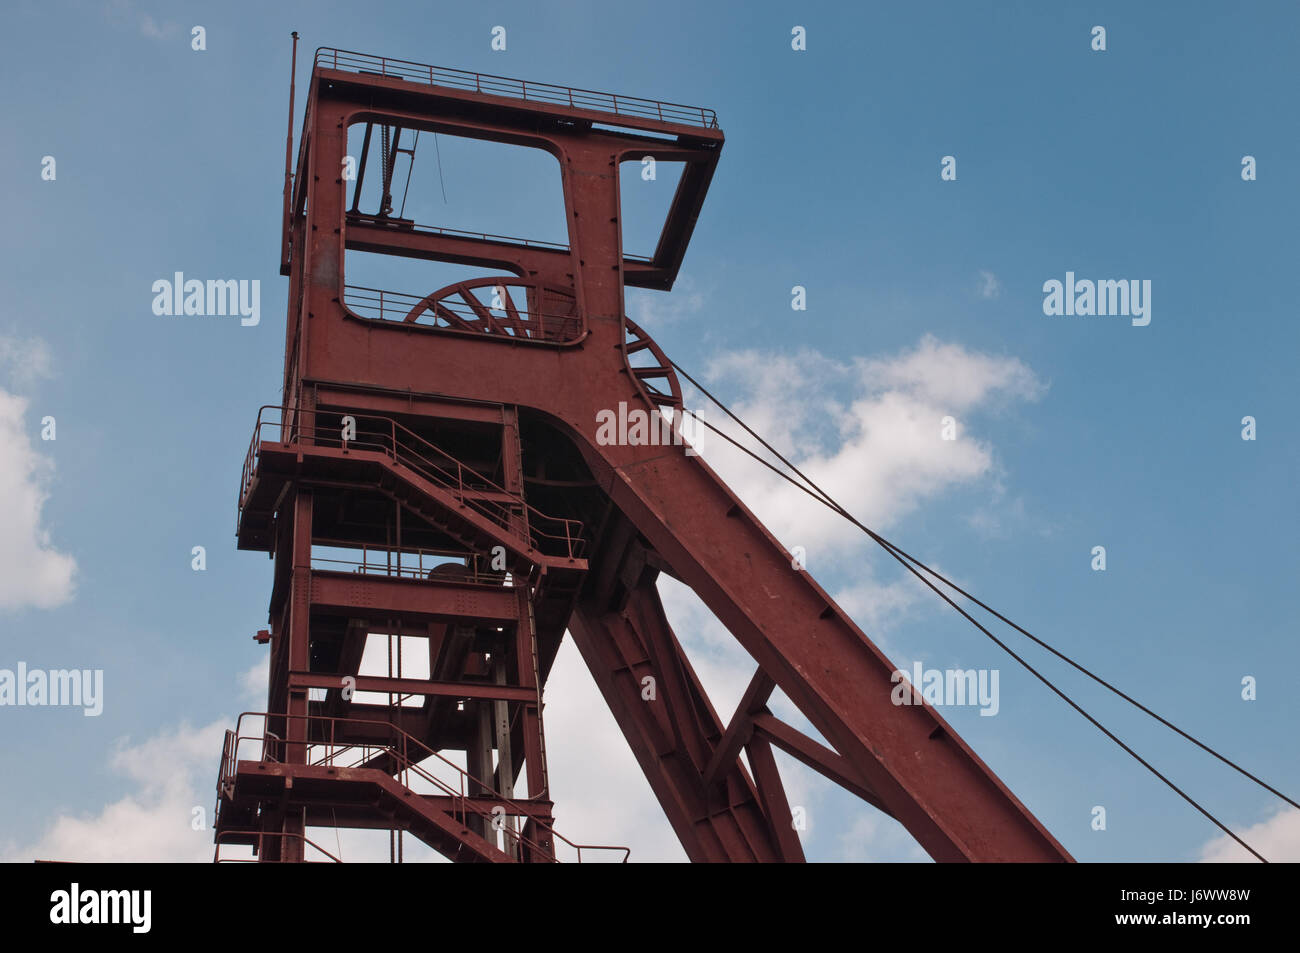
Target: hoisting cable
906, 560
438, 152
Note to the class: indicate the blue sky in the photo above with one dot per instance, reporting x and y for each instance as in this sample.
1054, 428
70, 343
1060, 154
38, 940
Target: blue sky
924, 296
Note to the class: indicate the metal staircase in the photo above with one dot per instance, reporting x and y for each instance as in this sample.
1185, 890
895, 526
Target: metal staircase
397, 778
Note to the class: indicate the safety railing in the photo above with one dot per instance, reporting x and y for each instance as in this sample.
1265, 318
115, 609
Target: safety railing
377, 304
247, 471
634, 106
551, 535
389, 561
226, 774
229, 766
323, 748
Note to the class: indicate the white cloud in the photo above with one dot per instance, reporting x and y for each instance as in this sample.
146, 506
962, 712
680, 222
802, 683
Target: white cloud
252, 683
32, 572
989, 286
172, 773
1277, 838
866, 430
600, 794
948, 374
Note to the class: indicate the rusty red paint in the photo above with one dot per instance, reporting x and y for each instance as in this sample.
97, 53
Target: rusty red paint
523, 402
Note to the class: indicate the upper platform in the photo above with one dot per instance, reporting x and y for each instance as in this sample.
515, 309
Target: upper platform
382, 91
632, 112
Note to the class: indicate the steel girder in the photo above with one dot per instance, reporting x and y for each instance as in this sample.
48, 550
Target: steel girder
906, 760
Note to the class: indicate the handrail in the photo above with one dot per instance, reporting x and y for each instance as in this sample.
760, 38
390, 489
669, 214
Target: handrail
333, 751
492, 579
463, 481
400, 751
563, 328
226, 774
573, 97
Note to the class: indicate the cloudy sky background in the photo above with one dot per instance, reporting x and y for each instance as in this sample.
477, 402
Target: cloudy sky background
924, 301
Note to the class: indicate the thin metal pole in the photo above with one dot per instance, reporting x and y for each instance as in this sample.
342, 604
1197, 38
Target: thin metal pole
288, 155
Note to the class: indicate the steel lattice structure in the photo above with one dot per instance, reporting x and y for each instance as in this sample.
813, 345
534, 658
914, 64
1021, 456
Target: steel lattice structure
453, 443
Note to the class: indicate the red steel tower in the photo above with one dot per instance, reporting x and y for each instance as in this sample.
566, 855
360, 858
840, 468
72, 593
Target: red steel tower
434, 478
